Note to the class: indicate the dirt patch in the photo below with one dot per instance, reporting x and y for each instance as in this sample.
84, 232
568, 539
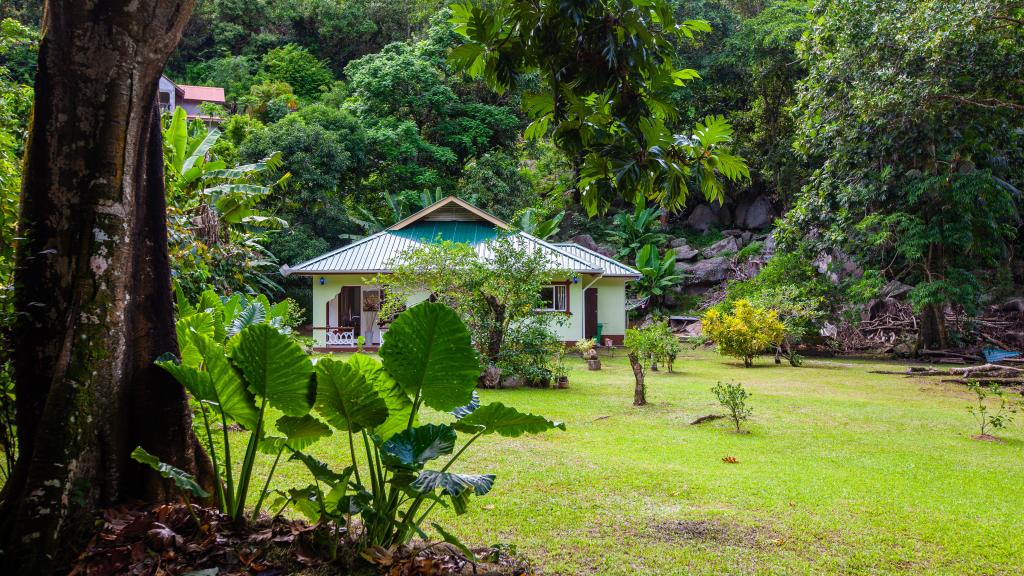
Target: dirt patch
715, 532
985, 438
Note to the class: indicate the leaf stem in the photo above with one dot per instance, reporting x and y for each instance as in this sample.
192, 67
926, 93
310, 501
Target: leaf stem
266, 485
352, 451
213, 456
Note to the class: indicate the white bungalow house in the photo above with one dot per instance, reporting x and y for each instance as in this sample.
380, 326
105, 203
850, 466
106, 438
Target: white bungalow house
346, 300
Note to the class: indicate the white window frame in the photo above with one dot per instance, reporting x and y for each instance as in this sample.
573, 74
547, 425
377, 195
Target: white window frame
554, 298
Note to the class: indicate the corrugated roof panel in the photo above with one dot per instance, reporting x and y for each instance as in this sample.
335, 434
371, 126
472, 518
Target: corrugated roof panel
610, 266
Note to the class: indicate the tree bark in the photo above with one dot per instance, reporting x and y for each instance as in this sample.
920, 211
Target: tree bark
933, 327
640, 391
497, 330
93, 282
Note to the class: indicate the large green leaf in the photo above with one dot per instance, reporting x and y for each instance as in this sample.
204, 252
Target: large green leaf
176, 138
452, 484
463, 411
398, 403
457, 486
200, 152
183, 480
414, 447
429, 352
496, 418
320, 470
210, 302
229, 392
346, 399
275, 368
253, 313
197, 382
200, 322
302, 431
337, 500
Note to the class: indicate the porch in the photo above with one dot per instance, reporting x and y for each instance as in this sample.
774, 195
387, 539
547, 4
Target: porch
351, 317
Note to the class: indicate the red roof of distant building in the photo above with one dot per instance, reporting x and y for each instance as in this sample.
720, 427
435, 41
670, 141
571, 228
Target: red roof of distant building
203, 93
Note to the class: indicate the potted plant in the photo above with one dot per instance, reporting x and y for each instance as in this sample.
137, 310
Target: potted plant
559, 369
587, 349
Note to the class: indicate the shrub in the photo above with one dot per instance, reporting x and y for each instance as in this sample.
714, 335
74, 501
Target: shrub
747, 332
528, 351
734, 398
658, 274
790, 285
988, 419
749, 251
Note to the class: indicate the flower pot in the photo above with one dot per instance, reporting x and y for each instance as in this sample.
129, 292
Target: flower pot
563, 382
594, 364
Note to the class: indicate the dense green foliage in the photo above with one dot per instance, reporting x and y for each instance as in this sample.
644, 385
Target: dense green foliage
606, 75
917, 171
789, 285
17, 57
216, 228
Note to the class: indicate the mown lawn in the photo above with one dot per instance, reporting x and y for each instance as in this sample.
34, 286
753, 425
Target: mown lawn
844, 472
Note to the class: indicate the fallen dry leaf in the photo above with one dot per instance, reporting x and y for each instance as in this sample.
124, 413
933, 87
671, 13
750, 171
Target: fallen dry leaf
160, 537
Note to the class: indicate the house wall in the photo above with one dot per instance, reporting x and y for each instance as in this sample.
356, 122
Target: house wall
571, 329
191, 107
167, 87
325, 298
611, 306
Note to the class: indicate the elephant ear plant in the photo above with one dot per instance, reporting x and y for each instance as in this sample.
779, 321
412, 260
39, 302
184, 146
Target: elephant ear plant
400, 469
236, 381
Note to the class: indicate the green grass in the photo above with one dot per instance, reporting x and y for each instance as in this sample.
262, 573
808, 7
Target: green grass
843, 472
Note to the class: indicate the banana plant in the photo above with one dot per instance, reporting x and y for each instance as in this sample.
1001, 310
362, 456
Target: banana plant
659, 272
216, 230
399, 469
634, 230
530, 222
235, 379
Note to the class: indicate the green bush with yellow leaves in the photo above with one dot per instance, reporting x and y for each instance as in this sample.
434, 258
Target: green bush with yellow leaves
745, 332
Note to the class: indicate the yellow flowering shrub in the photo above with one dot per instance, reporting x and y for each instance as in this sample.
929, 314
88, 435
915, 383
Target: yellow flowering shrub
745, 332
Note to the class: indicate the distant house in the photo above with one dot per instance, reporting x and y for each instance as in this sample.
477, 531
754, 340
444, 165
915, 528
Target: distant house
346, 300
189, 98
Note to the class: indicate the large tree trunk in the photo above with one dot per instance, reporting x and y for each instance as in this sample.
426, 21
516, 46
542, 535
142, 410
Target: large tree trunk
933, 327
93, 282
